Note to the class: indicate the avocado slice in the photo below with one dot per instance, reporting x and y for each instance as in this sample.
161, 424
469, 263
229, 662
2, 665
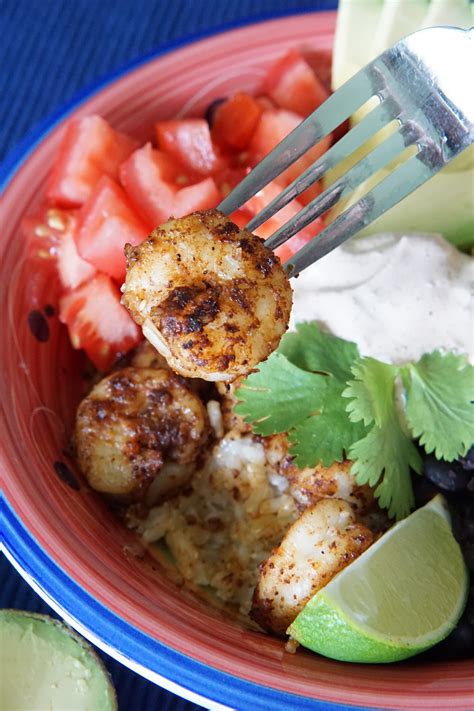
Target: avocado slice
366, 28
445, 204
458, 13
398, 19
356, 24
45, 665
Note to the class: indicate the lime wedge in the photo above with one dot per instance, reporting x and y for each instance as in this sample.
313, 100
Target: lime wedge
400, 597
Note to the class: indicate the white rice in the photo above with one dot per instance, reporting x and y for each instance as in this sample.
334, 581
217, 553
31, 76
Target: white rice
226, 523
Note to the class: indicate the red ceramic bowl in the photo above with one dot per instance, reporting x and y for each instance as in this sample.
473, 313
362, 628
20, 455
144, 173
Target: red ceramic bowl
63, 538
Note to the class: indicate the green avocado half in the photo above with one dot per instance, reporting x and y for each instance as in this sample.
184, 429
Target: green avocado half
45, 665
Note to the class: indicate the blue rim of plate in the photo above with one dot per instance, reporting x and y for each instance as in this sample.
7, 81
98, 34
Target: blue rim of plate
135, 649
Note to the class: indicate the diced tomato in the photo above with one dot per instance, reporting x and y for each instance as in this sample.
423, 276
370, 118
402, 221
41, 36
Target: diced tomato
143, 178
97, 322
155, 199
293, 85
265, 103
320, 61
227, 179
90, 148
106, 223
200, 196
40, 268
241, 217
189, 142
265, 196
50, 241
72, 269
273, 127
42, 232
287, 250
310, 194
236, 120
260, 200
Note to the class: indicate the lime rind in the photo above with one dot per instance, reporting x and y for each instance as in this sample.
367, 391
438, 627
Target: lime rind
326, 624
337, 637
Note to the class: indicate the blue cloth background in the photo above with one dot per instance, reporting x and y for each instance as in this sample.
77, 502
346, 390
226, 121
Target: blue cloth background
49, 51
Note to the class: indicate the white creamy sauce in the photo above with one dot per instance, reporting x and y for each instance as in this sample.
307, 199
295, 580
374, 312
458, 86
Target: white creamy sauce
396, 296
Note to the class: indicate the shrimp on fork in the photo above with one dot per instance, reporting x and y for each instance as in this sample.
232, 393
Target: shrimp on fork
211, 298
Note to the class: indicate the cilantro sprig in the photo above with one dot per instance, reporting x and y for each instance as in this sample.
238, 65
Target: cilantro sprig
335, 404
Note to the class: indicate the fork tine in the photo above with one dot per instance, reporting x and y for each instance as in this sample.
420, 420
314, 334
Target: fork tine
334, 111
379, 117
396, 186
382, 154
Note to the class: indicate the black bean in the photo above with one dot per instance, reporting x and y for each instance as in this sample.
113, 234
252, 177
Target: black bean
470, 486
467, 462
458, 645
448, 476
65, 473
424, 489
38, 326
467, 548
211, 110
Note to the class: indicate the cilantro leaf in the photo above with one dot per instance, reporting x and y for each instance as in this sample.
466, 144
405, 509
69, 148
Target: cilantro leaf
328, 436
384, 456
334, 404
279, 396
439, 409
313, 350
371, 390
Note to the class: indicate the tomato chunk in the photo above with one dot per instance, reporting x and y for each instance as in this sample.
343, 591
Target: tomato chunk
273, 127
292, 85
106, 222
260, 200
263, 197
320, 61
236, 120
42, 232
42, 247
200, 196
97, 322
90, 148
143, 178
295, 243
155, 198
189, 142
72, 269
50, 241
227, 179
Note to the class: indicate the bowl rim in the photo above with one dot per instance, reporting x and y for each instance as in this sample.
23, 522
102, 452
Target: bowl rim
168, 668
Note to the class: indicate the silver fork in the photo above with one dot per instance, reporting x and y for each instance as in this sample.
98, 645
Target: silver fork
422, 82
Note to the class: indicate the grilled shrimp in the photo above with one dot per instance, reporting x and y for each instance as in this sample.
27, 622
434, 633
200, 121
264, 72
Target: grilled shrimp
309, 485
140, 430
318, 545
145, 356
228, 400
211, 298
